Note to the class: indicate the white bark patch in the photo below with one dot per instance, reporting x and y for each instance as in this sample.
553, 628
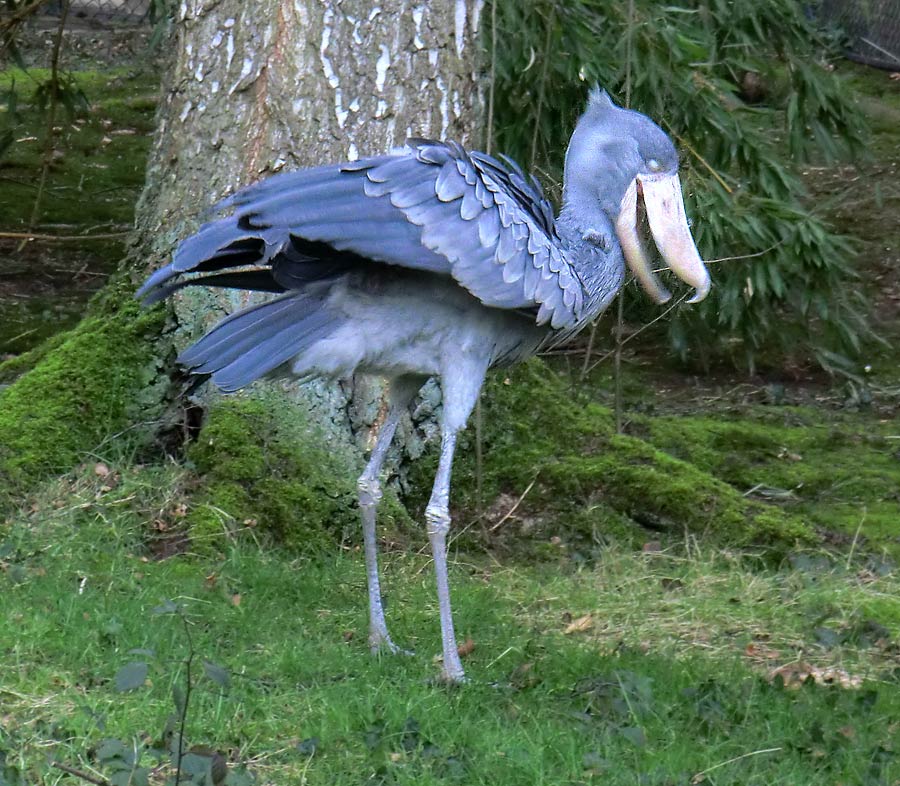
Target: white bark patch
417, 14
356, 34
339, 112
352, 152
476, 16
381, 108
382, 66
229, 50
459, 26
373, 13
444, 107
333, 79
185, 111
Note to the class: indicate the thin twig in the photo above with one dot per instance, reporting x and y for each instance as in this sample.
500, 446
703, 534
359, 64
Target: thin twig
620, 298
586, 365
513, 508
85, 776
490, 114
617, 373
735, 759
19, 16
690, 148
489, 142
741, 256
479, 457
540, 102
182, 723
856, 536
642, 329
50, 137
26, 236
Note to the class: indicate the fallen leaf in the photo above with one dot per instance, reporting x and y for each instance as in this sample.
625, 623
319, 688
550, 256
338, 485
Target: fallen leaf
580, 625
793, 675
236, 599
348, 635
651, 547
756, 650
101, 470
466, 648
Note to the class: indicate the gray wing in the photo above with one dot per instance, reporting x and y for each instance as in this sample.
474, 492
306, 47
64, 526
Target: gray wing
431, 206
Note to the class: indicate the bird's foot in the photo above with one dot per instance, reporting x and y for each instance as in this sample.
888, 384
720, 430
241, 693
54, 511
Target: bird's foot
449, 679
451, 673
381, 643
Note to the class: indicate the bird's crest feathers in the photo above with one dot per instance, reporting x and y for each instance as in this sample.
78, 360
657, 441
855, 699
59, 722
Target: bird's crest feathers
599, 100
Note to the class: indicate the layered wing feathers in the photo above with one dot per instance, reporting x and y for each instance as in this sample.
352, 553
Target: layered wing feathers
432, 206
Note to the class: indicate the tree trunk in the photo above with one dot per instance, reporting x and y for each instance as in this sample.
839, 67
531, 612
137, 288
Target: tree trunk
257, 88
252, 89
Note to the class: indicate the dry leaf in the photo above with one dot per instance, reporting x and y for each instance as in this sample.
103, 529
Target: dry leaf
101, 470
236, 599
348, 635
580, 625
651, 547
466, 647
793, 675
756, 650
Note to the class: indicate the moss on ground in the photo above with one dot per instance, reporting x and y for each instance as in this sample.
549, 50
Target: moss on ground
842, 476
585, 481
94, 383
262, 465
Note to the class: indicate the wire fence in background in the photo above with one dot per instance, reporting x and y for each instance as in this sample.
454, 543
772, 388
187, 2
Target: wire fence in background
104, 13
872, 27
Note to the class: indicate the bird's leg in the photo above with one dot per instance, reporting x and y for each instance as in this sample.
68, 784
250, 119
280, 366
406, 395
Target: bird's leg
369, 488
437, 516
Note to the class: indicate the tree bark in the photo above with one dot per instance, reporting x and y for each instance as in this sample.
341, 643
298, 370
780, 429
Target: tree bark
258, 88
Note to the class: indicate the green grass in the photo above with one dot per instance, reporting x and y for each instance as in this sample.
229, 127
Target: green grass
669, 678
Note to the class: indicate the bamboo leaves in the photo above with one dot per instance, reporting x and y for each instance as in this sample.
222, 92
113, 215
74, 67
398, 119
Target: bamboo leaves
743, 88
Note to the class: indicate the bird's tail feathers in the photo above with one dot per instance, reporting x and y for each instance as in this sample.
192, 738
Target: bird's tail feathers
256, 341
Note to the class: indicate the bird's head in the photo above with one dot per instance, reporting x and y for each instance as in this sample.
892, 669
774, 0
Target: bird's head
614, 156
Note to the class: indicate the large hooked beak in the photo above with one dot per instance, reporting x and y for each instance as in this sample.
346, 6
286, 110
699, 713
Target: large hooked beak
668, 224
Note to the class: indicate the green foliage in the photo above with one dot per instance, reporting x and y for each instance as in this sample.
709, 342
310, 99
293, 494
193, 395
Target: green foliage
744, 90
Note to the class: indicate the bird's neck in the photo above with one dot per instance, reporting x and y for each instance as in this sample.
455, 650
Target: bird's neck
588, 235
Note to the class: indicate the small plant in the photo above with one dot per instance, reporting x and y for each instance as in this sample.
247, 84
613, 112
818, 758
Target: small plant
187, 766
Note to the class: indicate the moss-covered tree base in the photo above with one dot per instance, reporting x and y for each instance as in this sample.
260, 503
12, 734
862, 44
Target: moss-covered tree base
100, 379
262, 465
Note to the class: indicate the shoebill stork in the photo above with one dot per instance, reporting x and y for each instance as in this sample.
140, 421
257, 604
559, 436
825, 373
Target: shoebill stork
431, 261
